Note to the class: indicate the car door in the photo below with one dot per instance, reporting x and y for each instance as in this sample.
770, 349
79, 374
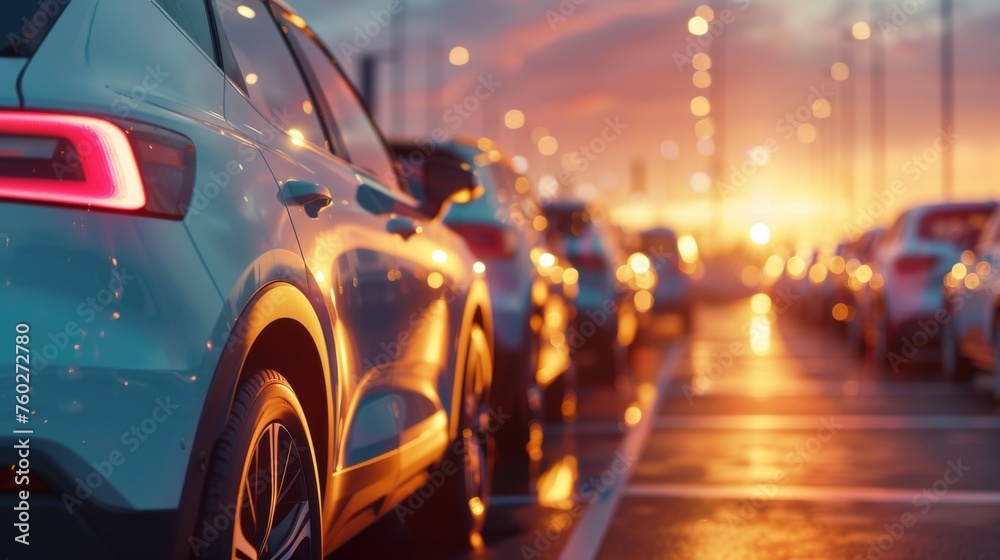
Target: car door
417, 333
347, 246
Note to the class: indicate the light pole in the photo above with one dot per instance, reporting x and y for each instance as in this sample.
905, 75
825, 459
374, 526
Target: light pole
879, 117
947, 95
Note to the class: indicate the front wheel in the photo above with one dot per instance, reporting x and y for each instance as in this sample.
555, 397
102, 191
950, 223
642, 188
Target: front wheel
262, 493
457, 510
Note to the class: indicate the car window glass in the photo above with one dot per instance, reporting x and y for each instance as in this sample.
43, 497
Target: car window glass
272, 76
192, 17
359, 135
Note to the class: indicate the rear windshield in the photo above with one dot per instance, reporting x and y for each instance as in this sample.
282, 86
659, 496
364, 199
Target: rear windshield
961, 227
25, 23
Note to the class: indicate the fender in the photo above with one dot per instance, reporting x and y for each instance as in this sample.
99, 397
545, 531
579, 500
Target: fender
478, 300
272, 302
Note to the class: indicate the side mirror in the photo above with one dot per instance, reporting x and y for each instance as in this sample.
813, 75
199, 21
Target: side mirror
446, 179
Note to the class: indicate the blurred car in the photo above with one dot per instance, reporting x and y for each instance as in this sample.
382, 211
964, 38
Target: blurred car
793, 283
605, 323
233, 330
971, 332
654, 271
904, 279
530, 310
859, 303
830, 293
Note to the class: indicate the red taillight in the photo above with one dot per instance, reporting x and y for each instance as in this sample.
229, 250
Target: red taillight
915, 264
86, 161
487, 241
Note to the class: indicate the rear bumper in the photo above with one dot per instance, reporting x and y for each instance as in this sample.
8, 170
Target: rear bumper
65, 527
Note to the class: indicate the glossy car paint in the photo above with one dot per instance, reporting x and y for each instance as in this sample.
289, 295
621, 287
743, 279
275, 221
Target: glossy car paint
905, 297
974, 311
137, 318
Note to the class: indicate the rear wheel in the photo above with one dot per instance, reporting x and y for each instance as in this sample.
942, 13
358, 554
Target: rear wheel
954, 365
996, 360
262, 495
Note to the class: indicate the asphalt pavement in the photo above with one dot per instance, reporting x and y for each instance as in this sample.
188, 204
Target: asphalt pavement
756, 437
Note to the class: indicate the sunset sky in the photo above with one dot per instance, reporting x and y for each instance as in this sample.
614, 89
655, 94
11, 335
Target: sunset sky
615, 59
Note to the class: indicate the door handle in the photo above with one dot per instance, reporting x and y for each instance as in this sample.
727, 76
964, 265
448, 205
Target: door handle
403, 227
312, 197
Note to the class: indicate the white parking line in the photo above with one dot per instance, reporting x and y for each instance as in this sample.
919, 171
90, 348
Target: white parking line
808, 493
767, 422
585, 542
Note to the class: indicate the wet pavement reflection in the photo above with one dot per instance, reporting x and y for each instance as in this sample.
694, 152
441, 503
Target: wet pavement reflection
757, 436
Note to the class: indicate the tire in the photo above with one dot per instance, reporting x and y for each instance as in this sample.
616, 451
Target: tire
513, 438
559, 391
266, 422
457, 510
878, 344
954, 366
996, 362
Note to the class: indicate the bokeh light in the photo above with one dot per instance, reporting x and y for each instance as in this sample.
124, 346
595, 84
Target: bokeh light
702, 79
548, 146
861, 31
806, 133
701, 182
700, 106
701, 61
698, 25
459, 56
840, 71
514, 119
760, 234
821, 108
670, 150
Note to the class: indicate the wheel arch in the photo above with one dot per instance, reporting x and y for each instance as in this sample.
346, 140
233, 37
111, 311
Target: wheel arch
477, 311
277, 329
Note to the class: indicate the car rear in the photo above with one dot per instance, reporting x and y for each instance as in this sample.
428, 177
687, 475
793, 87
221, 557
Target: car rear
99, 273
914, 262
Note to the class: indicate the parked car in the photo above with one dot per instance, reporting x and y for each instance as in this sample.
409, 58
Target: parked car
859, 303
530, 309
605, 323
905, 279
971, 327
654, 267
247, 338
